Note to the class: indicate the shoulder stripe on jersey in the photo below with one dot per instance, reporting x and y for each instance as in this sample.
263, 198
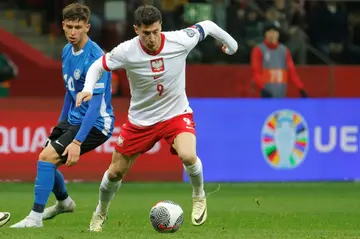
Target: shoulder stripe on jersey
200, 30
104, 63
99, 86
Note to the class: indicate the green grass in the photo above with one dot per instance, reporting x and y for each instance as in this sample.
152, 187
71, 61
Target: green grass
302, 210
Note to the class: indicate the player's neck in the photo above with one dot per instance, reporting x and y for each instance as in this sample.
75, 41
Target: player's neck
81, 44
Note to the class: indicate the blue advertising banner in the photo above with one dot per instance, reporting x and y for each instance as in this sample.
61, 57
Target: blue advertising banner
242, 140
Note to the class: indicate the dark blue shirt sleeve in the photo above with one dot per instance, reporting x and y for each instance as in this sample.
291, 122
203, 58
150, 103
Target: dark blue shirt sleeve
66, 106
91, 115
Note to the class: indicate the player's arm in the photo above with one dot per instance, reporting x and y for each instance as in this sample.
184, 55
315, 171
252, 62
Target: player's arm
66, 106
89, 120
207, 27
110, 61
293, 75
93, 111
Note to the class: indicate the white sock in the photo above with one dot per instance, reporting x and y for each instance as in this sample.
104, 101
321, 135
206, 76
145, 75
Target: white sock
38, 216
106, 194
195, 173
66, 202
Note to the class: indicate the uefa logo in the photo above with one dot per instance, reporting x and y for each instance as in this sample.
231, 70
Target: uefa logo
285, 139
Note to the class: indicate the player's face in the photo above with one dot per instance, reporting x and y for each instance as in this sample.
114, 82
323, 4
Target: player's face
150, 36
272, 36
75, 30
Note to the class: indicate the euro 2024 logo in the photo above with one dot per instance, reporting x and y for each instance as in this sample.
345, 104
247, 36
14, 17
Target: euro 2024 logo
285, 139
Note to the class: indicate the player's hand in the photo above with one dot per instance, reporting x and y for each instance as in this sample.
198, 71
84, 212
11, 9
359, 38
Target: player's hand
223, 48
82, 96
73, 152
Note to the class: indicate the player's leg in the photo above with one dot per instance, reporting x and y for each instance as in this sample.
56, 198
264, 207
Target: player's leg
183, 140
109, 185
185, 146
132, 142
64, 204
48, 160
44, 184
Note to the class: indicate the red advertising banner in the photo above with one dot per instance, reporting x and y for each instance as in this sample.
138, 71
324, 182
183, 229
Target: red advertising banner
25, 125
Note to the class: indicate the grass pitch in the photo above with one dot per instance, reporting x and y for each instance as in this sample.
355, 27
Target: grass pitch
300, 210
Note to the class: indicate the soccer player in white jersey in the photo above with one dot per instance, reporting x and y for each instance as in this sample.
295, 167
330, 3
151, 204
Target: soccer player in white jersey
155, 63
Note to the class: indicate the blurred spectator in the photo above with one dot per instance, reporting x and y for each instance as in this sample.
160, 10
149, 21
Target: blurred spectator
8, 71
252, 31
291, 33
172, 14
329, 32
272, 65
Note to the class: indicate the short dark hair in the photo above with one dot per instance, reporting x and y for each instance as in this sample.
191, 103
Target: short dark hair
76, 12
147, 15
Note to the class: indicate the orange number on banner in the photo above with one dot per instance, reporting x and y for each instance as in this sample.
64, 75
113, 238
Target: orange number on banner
276, 76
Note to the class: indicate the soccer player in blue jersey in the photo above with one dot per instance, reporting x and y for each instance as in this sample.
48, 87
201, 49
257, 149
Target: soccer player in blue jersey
79, 130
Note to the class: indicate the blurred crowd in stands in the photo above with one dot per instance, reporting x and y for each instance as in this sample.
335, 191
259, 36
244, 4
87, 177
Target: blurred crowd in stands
314, 31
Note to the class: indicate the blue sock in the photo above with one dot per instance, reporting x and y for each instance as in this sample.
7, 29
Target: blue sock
44, 183
59, 186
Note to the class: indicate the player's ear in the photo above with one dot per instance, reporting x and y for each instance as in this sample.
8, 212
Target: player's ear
136, 29
63, 25
87, 27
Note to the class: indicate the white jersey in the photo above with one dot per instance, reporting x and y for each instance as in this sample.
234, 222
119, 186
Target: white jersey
157, 81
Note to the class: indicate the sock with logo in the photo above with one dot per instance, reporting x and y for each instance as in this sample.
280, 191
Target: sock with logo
44, 183
106, 194
195, 173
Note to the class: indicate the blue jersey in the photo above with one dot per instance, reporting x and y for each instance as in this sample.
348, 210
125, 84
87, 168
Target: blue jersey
74, 68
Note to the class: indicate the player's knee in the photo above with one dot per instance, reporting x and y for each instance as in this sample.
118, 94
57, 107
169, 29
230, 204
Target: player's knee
48, 156
114, 173
118, 167
188, 158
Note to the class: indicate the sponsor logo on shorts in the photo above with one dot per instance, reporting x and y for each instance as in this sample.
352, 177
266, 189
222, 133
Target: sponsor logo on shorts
57, 142
285, 139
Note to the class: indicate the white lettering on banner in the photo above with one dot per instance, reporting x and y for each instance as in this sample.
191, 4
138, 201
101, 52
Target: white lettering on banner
38, 139
109, 145
25, 140
30, 140
12, 141
4, 147
348, 138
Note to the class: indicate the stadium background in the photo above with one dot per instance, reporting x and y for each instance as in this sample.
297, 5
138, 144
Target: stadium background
234, 126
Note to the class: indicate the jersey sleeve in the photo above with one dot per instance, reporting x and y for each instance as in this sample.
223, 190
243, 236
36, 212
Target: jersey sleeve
104, 79
115, 59
191, 36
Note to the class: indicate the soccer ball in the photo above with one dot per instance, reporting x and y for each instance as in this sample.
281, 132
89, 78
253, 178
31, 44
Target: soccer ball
4, 218
166, 217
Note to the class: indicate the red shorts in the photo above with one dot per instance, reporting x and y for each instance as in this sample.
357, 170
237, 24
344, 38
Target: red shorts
136, 139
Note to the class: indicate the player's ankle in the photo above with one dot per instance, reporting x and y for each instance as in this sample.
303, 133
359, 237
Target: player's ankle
198, 193
37, 216
66, 202
102, 210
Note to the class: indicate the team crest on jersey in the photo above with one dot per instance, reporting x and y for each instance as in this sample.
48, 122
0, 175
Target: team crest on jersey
157, 65
77, 74
120, 141
189, 32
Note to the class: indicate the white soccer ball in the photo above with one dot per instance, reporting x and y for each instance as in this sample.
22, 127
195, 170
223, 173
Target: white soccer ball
4, 218
166, 217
